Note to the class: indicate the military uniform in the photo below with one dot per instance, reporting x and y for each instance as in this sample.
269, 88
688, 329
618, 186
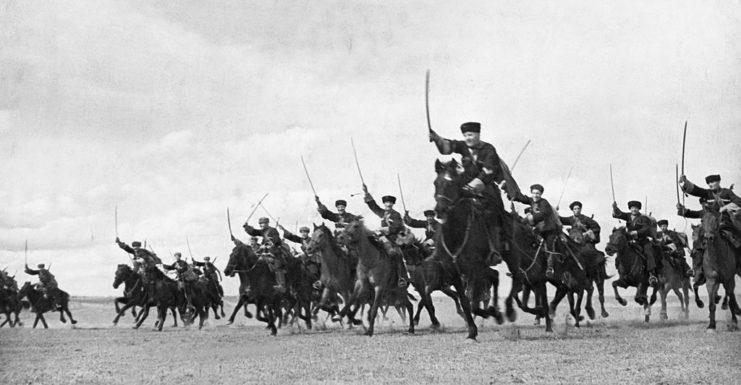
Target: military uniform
672, 245
431, 227
545, 220
723, 198
392, 225
340, 219
697, 247
588, 226
642, 226
47, 281
145, 263
211, 272
483, 169
271, 247
303, 242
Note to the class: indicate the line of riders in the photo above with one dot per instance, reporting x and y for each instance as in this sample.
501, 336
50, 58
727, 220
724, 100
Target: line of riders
487, 176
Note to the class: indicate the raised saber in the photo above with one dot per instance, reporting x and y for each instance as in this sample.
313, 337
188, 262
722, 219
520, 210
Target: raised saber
612, 184
306, 171
427, 102
115, 219
25, 252
355, 153
563, 190
229, 222
268, 212
256, 206
401, 192
676, 180
189, 251
684, 142
511, 169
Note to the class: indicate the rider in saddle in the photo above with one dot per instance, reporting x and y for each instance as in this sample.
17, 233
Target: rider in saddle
587, 226
728, 202
392, 225
47, 283
697, 247
145, 263
341, 218
186, 275
483, 169
672, 244
270, 250
639, 229
303, 240
430, 224
544, 219
211, 272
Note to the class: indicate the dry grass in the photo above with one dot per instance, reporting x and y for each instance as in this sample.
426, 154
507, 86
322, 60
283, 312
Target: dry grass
618, 350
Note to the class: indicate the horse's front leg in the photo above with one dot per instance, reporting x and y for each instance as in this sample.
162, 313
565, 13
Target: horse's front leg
472, 329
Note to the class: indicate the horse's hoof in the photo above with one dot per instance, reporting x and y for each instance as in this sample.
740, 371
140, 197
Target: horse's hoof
511, 315
710, 330
724, 306
537, 321
605, 314
410, 331
622, 301
357, 322
590, 313
73, 322
471, 340
435, 326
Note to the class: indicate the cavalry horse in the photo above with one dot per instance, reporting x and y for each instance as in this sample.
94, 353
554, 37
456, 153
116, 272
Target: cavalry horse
166, 293
672, 278
336, 271
376, 275
136, 293
719, 264
631, 269
42, 304
594, 263
256, 277
10, 303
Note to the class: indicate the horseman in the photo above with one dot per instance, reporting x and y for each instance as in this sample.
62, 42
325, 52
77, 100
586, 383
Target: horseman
47, 283
270, 250
728, 202
145, 263
341, 218
673, 244
392, 226
544, 219
588, 227
640, 230
303, 240
186, 275
211, 272
697, 247
482, 170
430, 224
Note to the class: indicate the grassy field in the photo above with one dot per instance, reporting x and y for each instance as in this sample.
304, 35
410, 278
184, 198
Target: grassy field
620, 349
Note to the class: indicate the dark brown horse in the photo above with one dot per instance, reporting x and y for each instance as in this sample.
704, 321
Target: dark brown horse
719, 266
631, 269
376, 275
255, 274
42, 304
594, 262
10, 303
135, 295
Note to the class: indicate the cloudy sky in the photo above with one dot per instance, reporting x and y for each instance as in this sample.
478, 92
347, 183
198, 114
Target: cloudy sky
173, 111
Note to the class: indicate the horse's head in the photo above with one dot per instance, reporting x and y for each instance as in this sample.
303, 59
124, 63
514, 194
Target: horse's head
710, 224
618, 241
25, 289
123, 272
319, 239
447, 186
241, 258
352, 232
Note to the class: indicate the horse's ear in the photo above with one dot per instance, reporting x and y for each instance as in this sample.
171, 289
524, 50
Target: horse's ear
614, 229
438, 166
315, 226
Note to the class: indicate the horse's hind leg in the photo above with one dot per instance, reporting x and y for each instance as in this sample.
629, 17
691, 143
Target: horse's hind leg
427, 300
588, 307
410, 310
712, 287
142, 316
69, 314
663, 316
615, 285
732, 302
601, 293
240, 303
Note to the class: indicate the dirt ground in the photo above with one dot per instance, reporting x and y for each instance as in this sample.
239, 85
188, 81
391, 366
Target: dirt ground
620, 349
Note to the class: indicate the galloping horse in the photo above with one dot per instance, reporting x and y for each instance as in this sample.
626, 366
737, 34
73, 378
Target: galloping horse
673, 279
137, 296
255, 273
719, 265
375, 270
631, 269
42, 304
594, 262
236, 265
336, 270
10, 303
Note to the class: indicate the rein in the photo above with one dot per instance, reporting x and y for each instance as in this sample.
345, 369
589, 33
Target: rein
465, 237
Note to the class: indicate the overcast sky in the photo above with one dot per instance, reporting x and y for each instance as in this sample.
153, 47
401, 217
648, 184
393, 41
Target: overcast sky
175, 110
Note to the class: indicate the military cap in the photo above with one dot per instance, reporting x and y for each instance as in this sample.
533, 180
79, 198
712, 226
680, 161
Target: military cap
340, 202
304, 228
537, 187
575, 203
207, 258
663, 222
177, 254
41, 265
388, 198
471, 127
429, 213
632, 204
263, 220
136, 244
712, 178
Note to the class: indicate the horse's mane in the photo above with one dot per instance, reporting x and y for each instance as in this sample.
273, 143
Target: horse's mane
332, 241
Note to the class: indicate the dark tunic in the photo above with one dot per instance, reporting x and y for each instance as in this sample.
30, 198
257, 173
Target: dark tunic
583, 223
340, 220
430, 228
304, 242
270, 233
545, 219
149, 258
45, 277
724, 195
391, 219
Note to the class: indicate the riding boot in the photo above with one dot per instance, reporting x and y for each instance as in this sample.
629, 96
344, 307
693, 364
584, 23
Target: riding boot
280, 281
403, 275
496, 247
549, 271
